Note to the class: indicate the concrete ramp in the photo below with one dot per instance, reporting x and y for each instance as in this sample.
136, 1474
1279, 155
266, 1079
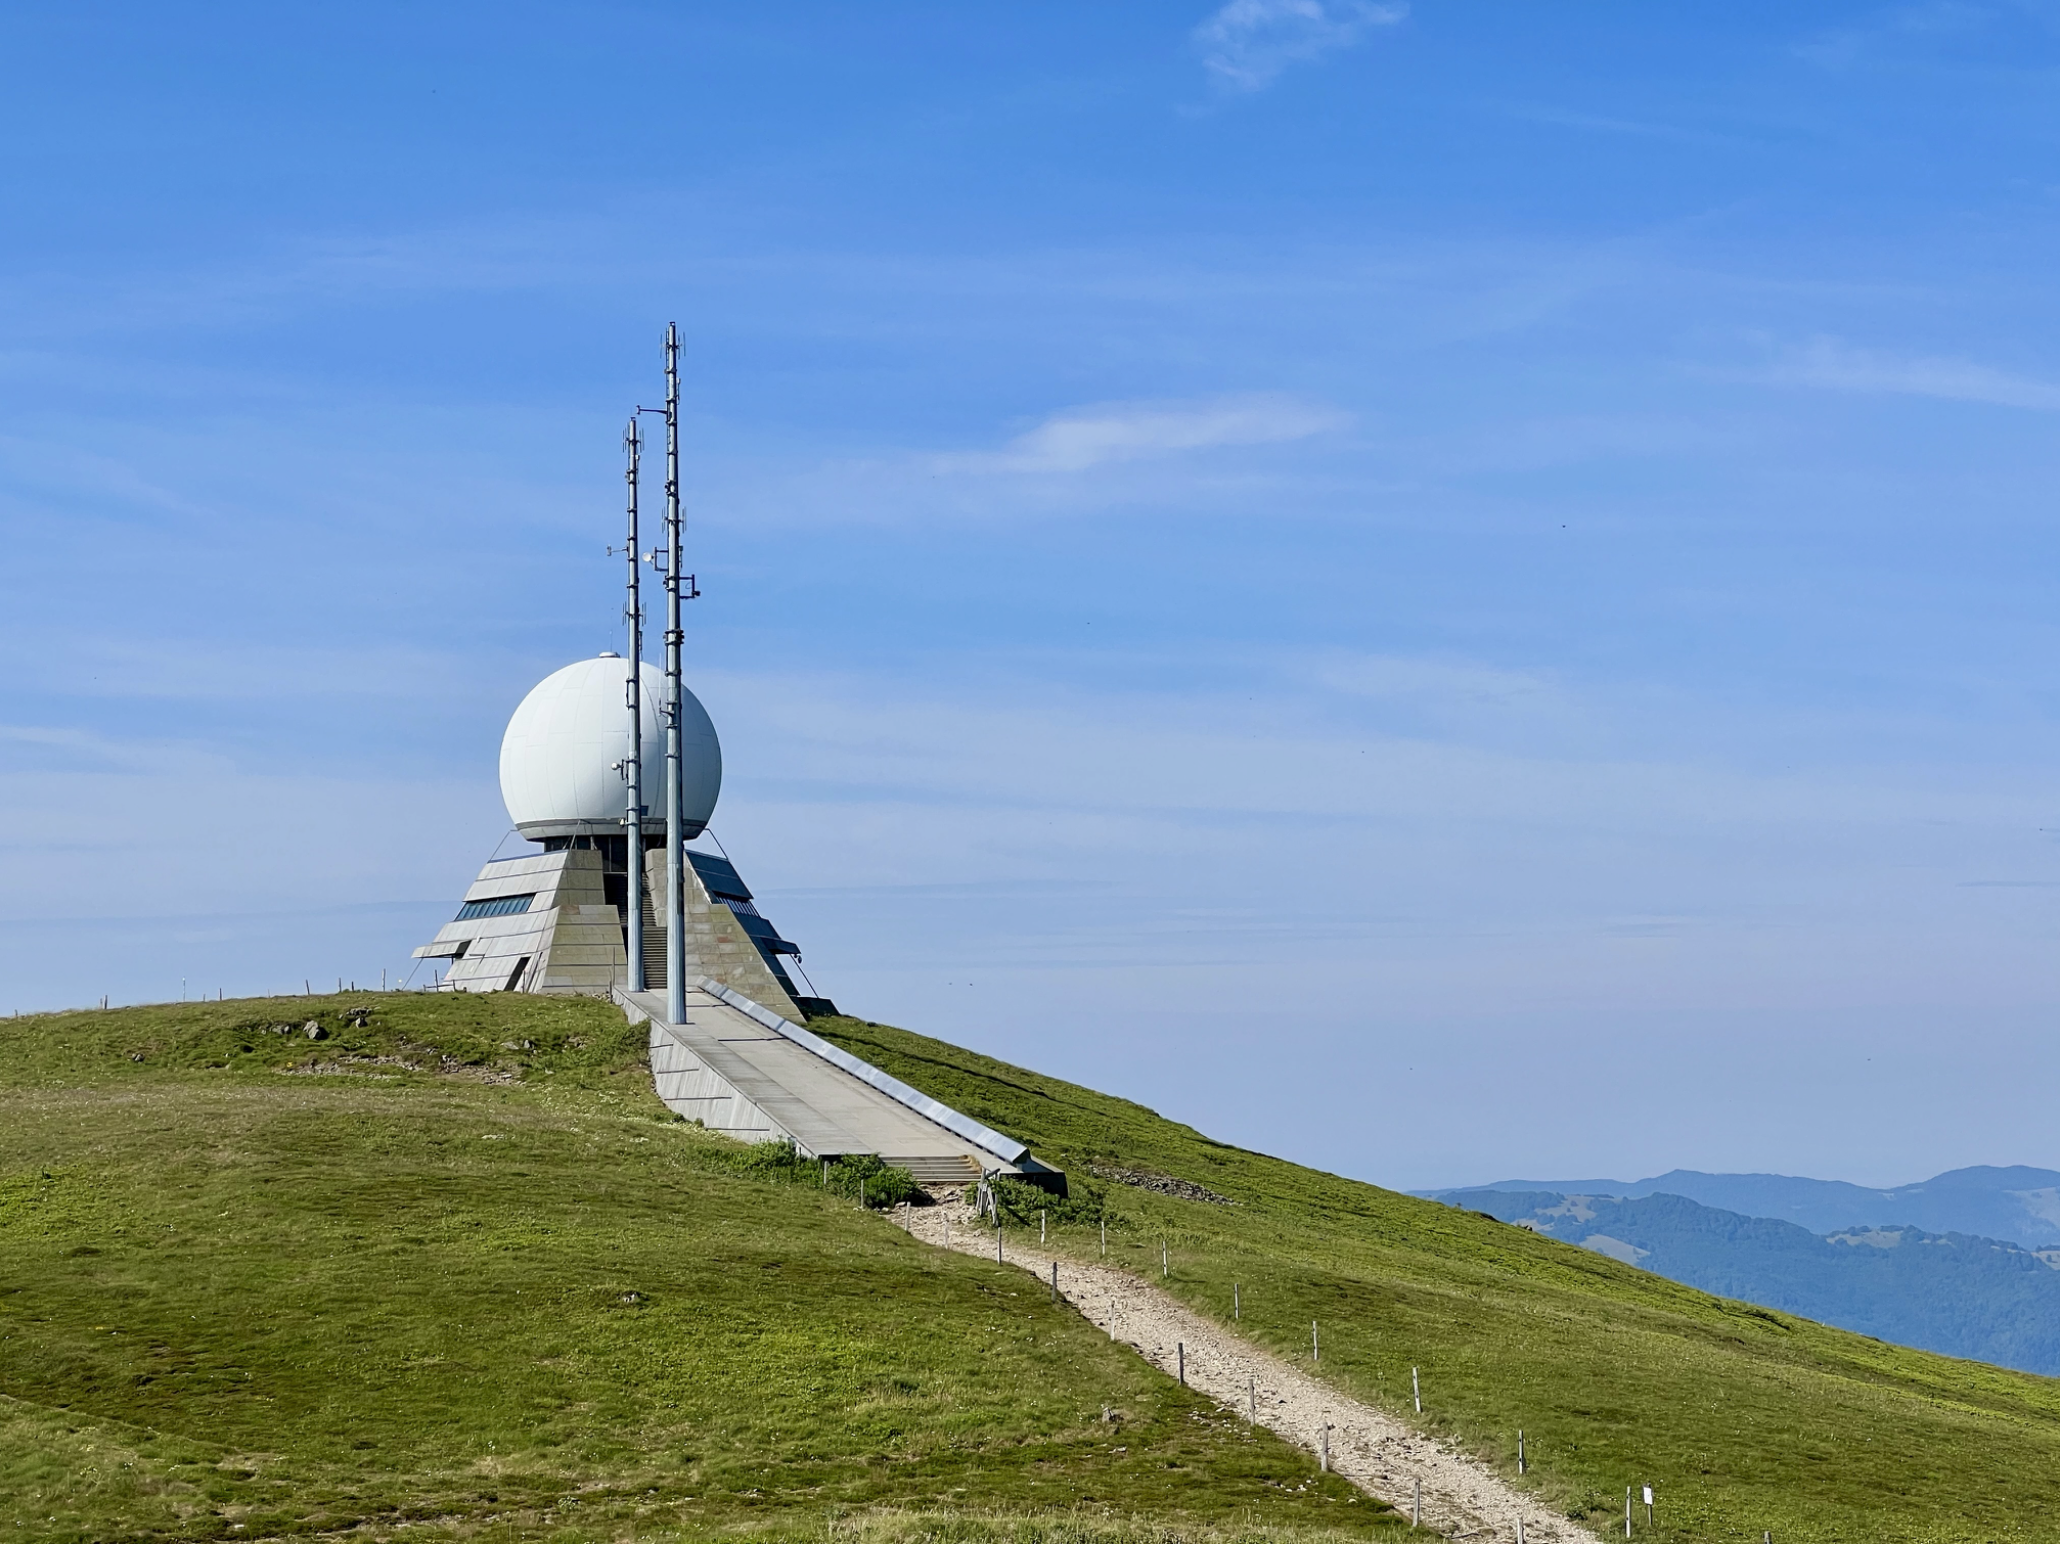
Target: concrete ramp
738, 1068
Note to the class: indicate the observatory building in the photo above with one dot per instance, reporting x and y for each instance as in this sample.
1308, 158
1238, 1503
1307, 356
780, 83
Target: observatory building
735, 1055
558, 920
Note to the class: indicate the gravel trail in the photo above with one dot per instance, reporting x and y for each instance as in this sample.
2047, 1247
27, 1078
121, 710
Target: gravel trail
1378, 1453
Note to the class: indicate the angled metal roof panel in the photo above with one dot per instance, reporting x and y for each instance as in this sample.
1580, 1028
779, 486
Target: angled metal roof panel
719, 875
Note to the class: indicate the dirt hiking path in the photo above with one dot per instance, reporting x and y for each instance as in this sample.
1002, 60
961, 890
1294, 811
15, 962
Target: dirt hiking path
1462, 1499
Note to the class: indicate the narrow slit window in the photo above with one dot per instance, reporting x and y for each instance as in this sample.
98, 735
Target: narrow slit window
499, 906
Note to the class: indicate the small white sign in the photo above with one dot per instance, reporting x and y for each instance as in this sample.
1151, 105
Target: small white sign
1648, 1495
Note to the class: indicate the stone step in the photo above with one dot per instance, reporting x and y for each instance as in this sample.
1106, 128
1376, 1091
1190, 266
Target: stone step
956, 1170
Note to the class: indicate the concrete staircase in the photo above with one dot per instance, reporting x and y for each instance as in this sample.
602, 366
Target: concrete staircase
654, 958
936, 1173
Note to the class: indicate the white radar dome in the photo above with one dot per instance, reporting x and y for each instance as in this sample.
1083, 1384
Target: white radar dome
559, 757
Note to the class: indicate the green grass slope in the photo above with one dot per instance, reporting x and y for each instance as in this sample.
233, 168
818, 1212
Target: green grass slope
455, 1273
1743, 1420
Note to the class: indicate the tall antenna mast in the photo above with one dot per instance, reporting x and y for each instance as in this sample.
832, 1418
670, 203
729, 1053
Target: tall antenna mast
675, 845
633, 768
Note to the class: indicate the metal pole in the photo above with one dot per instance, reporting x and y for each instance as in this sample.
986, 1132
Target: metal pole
633, 768
675, 839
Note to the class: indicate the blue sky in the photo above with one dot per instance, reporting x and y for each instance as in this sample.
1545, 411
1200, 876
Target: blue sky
1445, 590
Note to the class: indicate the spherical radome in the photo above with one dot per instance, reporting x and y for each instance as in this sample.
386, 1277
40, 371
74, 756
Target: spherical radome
559, 756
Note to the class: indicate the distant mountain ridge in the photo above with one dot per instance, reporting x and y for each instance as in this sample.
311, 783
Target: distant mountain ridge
2017, 1204
1955, 1293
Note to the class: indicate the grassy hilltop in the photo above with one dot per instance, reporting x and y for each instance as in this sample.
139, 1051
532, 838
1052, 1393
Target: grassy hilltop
470, 1279
463, 1276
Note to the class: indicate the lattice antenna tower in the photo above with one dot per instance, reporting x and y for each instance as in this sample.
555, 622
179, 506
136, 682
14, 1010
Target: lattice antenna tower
675, 839
678, 587
633, 767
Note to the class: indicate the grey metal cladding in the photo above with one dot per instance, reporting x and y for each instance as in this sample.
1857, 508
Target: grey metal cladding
719, 875
762, 932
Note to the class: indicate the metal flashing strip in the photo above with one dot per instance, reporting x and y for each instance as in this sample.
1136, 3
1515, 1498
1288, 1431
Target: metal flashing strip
1004, 1148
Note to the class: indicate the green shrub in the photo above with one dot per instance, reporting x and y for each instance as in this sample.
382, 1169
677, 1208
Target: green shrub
1020, 1202
779, 1160
883, 1185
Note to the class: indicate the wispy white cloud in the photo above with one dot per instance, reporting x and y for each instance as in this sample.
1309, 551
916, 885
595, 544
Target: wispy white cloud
1248, 43
85, 751
1829, 363
1079, 439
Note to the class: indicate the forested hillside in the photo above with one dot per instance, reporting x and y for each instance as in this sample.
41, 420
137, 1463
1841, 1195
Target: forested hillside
1964, 1296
